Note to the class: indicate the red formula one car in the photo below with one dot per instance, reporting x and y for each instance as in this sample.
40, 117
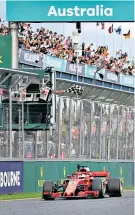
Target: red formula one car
83, 184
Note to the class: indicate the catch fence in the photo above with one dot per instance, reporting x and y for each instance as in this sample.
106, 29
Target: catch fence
84, 130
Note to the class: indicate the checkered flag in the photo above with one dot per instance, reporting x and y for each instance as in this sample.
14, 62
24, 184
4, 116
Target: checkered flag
75, 89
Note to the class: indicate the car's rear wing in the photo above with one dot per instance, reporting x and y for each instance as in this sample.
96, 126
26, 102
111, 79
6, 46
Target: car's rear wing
101, 174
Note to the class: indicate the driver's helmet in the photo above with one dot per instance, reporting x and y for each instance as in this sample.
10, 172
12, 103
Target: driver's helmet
82, 176
85, 169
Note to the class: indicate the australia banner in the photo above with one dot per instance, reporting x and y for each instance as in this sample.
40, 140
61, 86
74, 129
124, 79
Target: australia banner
30, 58
70, 11
73, 69
11, 177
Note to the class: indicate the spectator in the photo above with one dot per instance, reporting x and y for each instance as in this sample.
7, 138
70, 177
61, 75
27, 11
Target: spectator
3, 28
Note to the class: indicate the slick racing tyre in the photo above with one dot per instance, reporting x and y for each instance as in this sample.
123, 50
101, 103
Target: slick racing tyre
97, 185
115, 187
48, 186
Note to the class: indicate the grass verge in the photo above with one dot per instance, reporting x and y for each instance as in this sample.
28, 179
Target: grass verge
32, 195
19, 196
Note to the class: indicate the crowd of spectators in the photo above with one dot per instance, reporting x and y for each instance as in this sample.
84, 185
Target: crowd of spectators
51, 43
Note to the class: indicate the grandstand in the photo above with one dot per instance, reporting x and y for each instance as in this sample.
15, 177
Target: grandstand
46, 41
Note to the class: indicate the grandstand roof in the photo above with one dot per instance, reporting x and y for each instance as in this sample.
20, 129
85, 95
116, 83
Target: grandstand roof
101, 94
26, 72
91, 92
6, 74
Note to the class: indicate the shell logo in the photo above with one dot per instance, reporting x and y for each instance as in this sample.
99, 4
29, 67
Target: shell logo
41, 172
1, 59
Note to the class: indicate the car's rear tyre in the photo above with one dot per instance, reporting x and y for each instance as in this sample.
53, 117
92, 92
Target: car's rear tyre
115, 187
97, 185
48, 186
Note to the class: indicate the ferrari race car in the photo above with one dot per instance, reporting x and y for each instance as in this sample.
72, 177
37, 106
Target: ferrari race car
83, 184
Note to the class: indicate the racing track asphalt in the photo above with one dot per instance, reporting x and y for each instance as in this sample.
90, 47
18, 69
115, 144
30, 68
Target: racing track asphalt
106, 206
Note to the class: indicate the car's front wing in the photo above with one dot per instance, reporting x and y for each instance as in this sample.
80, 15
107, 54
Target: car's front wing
81, 194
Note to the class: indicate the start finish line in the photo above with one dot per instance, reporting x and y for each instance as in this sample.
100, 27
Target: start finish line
69, 11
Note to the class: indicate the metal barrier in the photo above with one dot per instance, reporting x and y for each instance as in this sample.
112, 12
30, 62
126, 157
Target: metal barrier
84, 130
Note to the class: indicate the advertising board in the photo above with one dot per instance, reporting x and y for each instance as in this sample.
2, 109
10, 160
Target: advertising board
11, 177
73, 68
30, 58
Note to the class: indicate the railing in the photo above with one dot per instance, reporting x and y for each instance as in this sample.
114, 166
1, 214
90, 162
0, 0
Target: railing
29, 58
